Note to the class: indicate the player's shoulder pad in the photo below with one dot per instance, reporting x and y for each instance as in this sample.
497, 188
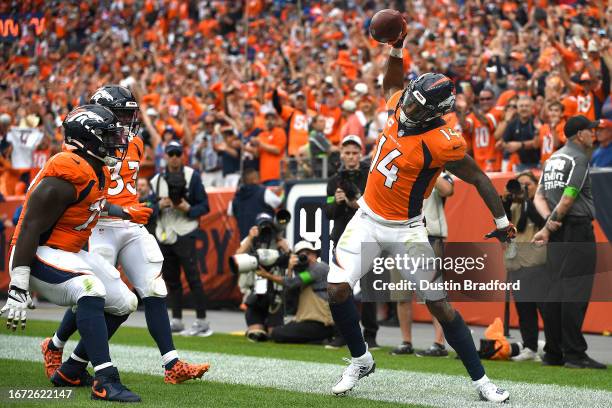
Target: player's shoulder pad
70, 167
447, 142
393, 100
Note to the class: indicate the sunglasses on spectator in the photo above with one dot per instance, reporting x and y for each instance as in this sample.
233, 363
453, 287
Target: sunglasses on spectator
209, 123
512, 106
485, 98
175, 154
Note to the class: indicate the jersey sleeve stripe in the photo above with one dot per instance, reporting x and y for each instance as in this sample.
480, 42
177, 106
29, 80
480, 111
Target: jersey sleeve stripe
85, 192
417, 193
492, 119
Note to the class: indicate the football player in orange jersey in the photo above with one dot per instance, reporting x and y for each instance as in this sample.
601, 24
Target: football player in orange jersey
413, 148
61, 207
128, 243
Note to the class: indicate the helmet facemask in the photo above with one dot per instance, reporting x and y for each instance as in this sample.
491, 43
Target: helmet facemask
128, 118
415, 109
114, 145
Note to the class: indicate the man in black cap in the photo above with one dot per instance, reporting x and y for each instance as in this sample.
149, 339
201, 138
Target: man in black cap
565, 199
180, 202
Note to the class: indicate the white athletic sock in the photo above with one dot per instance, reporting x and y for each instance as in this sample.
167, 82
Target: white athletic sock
77, 358
57, 342
168, 357
103, 366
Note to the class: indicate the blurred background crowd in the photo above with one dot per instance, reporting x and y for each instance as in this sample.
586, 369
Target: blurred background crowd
275, 84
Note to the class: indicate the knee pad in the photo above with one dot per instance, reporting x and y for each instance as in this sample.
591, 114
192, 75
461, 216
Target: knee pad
156, 288
132, 302
91, 286
120, 304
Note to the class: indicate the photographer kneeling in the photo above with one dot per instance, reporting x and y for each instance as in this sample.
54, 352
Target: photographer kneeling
263, 246
313, 322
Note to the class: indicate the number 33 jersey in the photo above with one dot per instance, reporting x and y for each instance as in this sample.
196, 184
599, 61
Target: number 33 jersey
73, 228
122, 188
406, 165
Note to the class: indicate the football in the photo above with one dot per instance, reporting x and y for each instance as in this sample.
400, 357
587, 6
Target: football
386, 25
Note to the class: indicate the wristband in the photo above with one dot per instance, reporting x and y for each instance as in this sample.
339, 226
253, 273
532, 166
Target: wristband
502, 222
396, 53
20, 277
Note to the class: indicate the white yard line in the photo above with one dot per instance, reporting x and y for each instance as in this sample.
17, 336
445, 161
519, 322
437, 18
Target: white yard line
438, 390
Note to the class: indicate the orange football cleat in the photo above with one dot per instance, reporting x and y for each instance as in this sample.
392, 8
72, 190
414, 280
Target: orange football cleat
182, 372
53, 358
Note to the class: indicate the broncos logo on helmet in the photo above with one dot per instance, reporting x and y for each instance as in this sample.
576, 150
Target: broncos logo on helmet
94, 130
428, 97
121, 102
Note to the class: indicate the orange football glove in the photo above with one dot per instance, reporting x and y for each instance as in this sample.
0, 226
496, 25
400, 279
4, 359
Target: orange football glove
139, 213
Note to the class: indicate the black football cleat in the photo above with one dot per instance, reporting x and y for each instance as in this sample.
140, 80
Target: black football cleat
109, 388
62, 379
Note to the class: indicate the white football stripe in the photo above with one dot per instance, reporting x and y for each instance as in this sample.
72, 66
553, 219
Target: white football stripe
439, 390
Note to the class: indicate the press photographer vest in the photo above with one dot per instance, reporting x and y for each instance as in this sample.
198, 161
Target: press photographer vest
172, 223
312, 307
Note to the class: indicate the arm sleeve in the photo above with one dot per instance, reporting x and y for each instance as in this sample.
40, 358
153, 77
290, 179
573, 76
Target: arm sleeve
276, 102
198, 197
315, 273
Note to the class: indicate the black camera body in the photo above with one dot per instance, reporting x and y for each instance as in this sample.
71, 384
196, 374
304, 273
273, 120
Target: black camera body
302, 264
516, 190
347, 180
177, 187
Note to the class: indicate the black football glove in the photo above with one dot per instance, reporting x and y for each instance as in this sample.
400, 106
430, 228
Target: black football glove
505, 234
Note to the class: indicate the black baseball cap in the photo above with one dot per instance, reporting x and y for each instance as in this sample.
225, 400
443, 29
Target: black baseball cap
174, 146
577, 123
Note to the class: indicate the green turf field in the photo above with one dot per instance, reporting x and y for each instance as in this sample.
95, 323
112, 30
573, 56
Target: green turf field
271, 375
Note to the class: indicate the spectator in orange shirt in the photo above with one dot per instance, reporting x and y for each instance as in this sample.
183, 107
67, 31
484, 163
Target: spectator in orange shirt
333, 115
271, 144
551, 136
297, 117
586, 91
354, 123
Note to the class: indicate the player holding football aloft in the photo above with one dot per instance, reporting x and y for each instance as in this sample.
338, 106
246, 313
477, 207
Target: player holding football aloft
129, 244
60, 210
413, 148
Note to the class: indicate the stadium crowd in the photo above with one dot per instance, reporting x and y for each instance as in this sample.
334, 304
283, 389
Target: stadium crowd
260, 80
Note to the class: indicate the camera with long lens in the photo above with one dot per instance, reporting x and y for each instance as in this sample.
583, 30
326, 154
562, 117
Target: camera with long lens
266, 258
262, 255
